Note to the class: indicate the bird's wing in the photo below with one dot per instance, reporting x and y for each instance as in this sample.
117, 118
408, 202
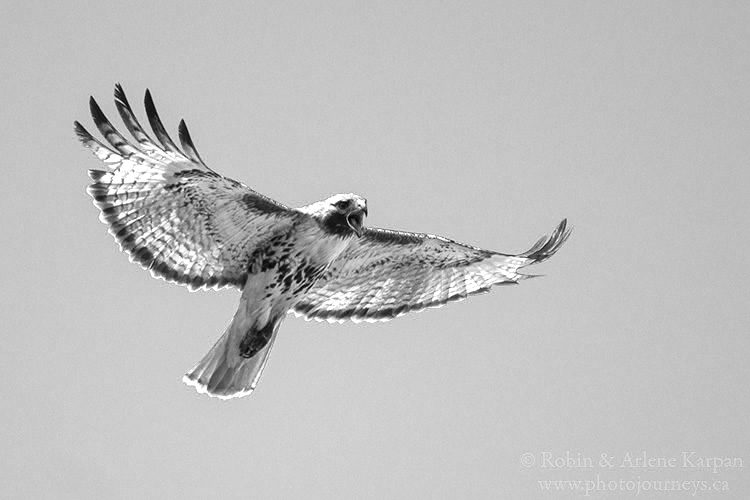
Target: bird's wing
386, 274
170, 212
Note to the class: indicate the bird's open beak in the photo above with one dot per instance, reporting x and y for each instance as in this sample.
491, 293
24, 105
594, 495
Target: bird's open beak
356, 221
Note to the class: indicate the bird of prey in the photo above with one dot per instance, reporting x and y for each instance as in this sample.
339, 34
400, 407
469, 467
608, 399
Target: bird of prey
188, 224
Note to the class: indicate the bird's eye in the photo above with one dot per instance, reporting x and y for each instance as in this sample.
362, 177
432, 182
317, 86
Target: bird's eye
342, 204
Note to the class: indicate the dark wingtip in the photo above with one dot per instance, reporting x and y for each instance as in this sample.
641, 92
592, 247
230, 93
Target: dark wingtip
187, 143
184, 134
81, 133
120, 94
96, 112
157, 126
546, 247
148, 100
128, 117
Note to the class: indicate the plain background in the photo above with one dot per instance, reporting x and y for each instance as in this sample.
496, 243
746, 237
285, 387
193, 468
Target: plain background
483, 121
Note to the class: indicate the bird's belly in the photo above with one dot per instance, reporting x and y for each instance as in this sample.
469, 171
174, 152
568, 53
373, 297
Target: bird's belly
275, 290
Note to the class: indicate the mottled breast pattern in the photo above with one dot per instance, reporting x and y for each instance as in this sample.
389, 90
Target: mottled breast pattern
297, 259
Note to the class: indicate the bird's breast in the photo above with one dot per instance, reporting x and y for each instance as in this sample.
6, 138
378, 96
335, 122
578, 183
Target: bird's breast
321, 248
289, 266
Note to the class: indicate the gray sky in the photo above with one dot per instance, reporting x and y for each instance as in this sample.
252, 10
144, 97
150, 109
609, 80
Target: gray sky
486, 122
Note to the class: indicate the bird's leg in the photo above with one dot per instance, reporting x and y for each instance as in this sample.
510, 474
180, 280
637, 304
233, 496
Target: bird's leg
255, 340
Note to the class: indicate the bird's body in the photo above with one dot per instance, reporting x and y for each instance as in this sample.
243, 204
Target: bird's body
188, 224
279, 273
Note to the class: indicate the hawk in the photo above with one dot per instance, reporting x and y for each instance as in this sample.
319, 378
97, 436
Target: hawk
186, 223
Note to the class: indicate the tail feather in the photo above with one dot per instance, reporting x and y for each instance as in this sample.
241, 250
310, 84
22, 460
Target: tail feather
223, 373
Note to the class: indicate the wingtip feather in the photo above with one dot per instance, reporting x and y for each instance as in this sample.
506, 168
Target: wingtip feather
547, 246
120, 94
157, 126
96, 111
81, 133
187, 143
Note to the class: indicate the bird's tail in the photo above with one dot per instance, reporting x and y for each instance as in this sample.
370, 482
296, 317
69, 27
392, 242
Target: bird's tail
225, 373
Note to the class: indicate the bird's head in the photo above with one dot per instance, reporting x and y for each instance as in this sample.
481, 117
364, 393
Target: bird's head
341, 214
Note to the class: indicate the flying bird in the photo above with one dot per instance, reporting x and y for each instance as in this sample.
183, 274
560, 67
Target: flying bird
186, 223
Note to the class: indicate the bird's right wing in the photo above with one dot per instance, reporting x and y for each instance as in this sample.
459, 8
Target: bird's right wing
171, 213
386, 274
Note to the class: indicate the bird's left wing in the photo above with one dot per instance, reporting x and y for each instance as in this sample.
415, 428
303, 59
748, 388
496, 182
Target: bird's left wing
175, 216
386, 274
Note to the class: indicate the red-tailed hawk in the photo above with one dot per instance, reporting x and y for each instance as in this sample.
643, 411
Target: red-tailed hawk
188, 224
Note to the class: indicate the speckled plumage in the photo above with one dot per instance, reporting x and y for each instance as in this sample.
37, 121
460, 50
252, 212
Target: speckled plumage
187, 224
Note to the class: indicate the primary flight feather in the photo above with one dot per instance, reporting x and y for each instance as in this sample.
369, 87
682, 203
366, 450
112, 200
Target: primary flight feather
187, 224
